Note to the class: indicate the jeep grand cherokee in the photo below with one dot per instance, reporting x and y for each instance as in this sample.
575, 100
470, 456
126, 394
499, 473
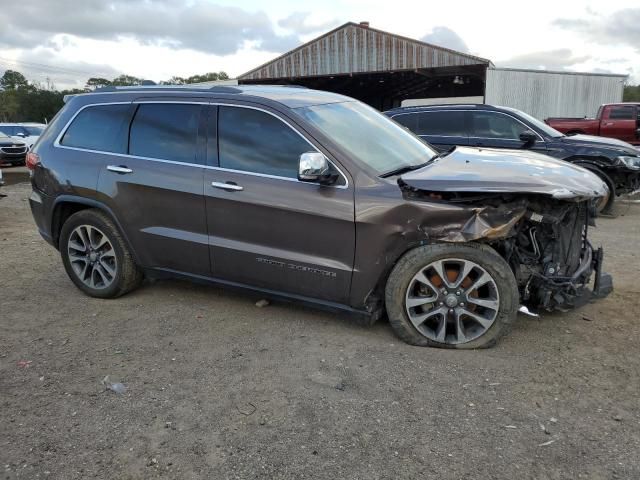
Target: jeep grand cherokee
316, 197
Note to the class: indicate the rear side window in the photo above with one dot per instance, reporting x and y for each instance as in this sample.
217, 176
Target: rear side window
101, 127
408, 120
496, 125
622, 113
441, 123
254, 141
166, 131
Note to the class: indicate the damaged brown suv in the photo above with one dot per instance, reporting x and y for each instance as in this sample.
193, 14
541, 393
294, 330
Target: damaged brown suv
315, 197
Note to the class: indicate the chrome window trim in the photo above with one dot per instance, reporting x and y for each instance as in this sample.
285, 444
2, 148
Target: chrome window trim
57, 143
471, 136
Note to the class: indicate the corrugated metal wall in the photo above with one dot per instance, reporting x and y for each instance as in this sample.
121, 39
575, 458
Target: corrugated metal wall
552, 94
356, 49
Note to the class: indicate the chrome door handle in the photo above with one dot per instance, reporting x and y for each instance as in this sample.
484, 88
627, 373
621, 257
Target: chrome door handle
119, 169
232, 187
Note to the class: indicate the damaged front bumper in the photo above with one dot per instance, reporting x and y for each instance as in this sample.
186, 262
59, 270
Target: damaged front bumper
564, 292
545, 241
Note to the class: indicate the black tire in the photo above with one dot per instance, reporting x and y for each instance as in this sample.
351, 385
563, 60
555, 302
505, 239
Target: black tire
606, 207
127, 276
418, 259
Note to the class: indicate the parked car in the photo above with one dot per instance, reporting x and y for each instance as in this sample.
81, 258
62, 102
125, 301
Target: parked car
12, 151
614, 120
617, 163
27, 132
316, 197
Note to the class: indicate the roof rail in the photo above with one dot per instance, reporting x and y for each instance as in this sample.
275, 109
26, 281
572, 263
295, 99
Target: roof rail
188, 88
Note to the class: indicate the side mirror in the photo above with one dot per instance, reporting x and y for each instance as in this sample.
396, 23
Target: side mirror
314, 167
528, 137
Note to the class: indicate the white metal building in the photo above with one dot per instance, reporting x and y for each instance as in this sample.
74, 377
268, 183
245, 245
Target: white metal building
544, 94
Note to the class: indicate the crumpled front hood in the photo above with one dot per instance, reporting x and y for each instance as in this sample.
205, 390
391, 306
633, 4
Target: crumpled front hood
506, 171
620, 146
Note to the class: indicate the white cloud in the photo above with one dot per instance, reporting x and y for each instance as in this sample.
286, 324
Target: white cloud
445, 37
561, 58
157, 39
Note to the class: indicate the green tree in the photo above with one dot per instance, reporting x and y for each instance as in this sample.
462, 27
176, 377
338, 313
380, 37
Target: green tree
126, 80
174, 81
97, 82
631, 93
12, 80
207, 77
9, 105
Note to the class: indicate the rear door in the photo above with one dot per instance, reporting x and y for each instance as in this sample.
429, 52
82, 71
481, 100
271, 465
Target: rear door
619, 121
499, 130
156, 189
441, 128
266, 228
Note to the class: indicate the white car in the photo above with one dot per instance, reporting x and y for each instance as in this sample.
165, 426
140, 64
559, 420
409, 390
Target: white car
27, 132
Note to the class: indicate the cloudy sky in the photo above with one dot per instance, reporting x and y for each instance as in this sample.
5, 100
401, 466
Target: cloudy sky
68, 41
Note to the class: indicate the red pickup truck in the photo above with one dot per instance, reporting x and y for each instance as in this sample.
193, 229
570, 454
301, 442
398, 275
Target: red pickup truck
614, 120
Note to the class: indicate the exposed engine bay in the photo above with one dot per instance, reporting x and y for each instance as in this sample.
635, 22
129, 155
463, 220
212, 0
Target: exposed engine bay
543, 239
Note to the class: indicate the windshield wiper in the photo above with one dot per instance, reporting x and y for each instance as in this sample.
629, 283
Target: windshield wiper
409, 168
405, 169
443, 154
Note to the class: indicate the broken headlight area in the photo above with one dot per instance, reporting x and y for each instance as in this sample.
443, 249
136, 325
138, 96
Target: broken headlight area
552, 259
544, 240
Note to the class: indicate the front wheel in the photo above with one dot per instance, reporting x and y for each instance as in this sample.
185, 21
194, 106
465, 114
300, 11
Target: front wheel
451, 296
96, 257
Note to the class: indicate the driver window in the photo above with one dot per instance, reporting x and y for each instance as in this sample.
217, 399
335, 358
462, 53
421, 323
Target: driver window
254, 141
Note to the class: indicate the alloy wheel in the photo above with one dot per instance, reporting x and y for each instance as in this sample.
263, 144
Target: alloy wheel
92, 256
452, 301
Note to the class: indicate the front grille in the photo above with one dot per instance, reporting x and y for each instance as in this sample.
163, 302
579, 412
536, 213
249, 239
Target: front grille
13, 150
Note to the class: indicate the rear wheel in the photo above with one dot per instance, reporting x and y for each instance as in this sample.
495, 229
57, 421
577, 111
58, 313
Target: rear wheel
451, 296
96, 256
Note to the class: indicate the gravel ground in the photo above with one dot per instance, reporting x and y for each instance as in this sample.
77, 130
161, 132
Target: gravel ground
219, 388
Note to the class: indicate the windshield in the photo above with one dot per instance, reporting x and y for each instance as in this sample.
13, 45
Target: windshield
33, 130
368, 135
550, 131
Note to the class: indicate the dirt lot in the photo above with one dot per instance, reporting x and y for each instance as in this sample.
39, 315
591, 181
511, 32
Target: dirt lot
219, 388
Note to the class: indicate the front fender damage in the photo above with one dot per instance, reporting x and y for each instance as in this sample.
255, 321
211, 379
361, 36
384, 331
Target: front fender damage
467, 224
544, 240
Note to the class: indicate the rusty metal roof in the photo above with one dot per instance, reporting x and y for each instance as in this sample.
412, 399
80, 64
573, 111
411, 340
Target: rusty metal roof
356, 48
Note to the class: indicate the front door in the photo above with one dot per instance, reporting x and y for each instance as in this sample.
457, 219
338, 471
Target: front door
266, 228
499, 130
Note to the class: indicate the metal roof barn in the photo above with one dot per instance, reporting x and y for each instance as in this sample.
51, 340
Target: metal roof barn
544, 94
387, 70
376, 67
